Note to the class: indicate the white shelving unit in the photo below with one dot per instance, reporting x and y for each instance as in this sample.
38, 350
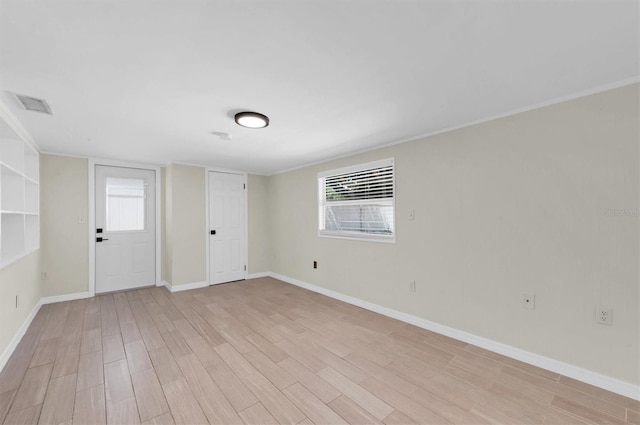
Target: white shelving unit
19, 200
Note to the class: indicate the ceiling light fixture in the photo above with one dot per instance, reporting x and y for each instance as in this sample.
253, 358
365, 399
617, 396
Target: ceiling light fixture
251, 120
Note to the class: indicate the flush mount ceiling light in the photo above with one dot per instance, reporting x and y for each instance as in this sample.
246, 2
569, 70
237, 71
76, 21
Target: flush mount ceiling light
252, 120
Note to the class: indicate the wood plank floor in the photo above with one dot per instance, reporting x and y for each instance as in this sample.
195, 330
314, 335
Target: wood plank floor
265, 352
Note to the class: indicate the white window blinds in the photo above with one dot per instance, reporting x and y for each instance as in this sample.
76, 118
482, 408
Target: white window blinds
358, 202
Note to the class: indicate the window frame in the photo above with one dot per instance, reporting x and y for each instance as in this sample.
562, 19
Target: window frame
356, 236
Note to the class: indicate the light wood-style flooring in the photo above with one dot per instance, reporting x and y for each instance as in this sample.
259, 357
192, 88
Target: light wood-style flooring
265, 352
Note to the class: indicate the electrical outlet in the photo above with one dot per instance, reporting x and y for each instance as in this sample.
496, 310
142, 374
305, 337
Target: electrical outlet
412, 286
529, 301
315, 264
604, 316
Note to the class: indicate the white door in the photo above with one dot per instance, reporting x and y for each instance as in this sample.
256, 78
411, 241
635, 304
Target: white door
125, 228
227, 227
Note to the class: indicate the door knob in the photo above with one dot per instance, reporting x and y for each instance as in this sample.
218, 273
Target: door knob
213, 232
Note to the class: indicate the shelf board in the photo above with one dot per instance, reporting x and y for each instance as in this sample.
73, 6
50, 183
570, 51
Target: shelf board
10, 168
21, 174
29, 179
13, 212
4, 262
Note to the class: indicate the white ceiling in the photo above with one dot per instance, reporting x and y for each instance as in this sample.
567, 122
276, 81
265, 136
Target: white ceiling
149, 80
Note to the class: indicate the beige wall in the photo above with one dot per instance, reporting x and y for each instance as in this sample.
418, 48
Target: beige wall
510, 206
184, 224
21, 278
185, 231
64, 240
258, 231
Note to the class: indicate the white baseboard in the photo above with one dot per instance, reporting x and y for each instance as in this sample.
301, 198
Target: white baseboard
18, 336
65, 297
186, 286
257, 275
4, 358
602, 381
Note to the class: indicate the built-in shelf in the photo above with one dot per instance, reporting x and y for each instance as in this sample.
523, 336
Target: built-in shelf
19, 200
31, 164
11, 189
31, 197
12, 153
12, 240
32, 232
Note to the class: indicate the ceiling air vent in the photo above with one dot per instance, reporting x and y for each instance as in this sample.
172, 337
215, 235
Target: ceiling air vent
33, 104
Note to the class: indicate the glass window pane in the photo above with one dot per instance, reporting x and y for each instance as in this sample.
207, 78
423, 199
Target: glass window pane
125, 204
367, 218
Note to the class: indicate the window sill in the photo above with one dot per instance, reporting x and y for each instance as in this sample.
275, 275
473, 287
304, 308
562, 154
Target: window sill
368, 238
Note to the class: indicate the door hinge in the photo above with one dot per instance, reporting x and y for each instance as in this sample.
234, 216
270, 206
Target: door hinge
245, 268
244, 186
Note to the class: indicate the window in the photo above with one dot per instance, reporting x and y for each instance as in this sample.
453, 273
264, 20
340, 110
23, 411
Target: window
358, 202
125, 204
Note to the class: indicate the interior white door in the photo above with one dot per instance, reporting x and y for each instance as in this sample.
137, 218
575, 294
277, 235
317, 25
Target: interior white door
125, 228
227, 227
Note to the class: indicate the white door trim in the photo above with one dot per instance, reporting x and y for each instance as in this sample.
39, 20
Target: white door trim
207, 221
92, 215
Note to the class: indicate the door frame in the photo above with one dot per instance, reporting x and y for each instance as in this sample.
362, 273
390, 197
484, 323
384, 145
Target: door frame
92, 215
208, 215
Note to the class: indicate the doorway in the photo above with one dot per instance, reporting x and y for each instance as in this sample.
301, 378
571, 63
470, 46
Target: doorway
227, 227
125, 228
